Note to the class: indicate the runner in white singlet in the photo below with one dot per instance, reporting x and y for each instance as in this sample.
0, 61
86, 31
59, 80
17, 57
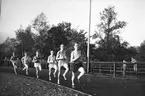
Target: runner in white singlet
52, 64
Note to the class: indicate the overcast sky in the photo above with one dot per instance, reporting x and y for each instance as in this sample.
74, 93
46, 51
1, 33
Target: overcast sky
21, 12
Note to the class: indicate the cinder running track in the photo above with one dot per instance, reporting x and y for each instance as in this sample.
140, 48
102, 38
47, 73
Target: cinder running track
96, 85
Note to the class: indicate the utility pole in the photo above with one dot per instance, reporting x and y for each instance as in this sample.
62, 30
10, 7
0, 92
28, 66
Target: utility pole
0, 7
88, 49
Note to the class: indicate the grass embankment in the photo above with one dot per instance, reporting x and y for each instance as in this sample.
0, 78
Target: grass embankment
12, 85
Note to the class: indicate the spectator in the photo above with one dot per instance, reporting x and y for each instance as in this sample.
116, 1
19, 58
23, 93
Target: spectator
133, 60
124, 67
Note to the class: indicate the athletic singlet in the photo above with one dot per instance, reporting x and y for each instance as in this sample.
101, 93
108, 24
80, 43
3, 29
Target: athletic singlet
25, 60
51, 59
76, 55
36, 59
61, 54
14, 58
133, 60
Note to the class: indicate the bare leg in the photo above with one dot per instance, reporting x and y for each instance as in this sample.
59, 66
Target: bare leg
59, 67
55, 70
40, 68
124, 69
82, 72
15, 68
26, 69
66, 70
49, 73
123, 72
135, 68
37, 72
72, 79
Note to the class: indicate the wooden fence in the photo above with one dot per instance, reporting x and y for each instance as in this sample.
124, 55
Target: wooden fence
116, 67
112, 68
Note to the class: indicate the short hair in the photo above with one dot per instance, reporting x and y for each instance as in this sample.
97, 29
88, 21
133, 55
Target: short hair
13, 53
37, 51
62, 45
51, 51
76, 44
25, 52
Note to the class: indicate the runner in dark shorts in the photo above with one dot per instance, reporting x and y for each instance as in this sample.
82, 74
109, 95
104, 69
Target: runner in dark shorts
76, 64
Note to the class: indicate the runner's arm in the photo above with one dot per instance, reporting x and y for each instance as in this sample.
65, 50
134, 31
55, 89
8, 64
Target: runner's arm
33, 59
11, 58
55, 59
71, 58
22, 60
57, 56
65, 57
48, 60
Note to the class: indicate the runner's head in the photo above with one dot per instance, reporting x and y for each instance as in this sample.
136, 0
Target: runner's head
132, 58
51, 52
13, 53
61, 46
76, 46
37, 53
25, 53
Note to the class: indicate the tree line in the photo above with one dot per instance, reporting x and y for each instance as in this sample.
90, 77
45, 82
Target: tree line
42, 36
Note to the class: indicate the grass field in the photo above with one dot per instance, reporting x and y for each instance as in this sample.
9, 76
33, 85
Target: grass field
12, 85
96, 85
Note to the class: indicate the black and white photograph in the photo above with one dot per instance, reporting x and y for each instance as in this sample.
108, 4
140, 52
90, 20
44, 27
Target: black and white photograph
72, 48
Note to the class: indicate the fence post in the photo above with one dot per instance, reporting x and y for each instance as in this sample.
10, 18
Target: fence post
99, 67
114, 71
91, 68
110, 68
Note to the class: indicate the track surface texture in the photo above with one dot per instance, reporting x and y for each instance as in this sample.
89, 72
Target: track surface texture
96, 85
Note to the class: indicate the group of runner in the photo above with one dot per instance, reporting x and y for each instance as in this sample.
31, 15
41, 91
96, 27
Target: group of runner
55, 62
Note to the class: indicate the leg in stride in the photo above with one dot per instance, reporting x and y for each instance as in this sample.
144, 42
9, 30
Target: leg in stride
50, 73
27, 70
82, 72
15, 68
55, 70
59, 67
37, 72
72, 79
66, 70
